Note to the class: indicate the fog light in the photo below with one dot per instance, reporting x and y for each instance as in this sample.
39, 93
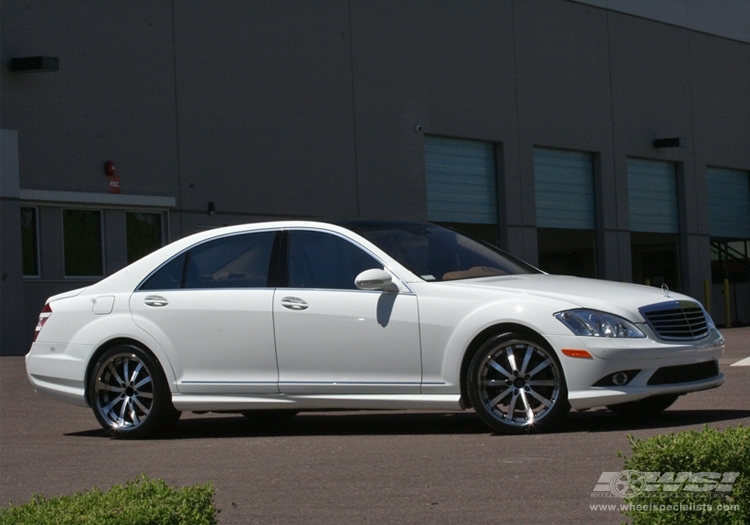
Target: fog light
620, 378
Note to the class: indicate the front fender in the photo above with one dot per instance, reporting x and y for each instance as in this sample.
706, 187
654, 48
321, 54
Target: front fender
449, 326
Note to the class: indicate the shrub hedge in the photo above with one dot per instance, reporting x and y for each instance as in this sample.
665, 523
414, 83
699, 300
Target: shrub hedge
141, 501
708, 451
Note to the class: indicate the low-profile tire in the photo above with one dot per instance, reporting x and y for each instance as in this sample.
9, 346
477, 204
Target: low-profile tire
645, 407
269, 416
517, 385
129, 393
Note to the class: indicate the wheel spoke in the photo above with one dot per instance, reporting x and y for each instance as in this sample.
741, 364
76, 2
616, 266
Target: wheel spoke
511, 359
529, 411
123, 409
109, 388
494, 383
143, 408
125, 369
495, 365
541, 366
142, 382
543, 400
133, 412
136, 372
542, 382
512, 405
526, 359
113, 371
499, 397
110, 407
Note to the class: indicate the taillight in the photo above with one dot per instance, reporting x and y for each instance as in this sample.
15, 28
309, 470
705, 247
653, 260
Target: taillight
43, 316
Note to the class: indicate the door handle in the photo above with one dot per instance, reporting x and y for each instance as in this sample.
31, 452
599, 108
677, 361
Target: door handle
293, 303
156, 300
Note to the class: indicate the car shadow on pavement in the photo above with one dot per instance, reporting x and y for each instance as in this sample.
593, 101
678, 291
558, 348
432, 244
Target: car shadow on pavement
217, 426
603, 420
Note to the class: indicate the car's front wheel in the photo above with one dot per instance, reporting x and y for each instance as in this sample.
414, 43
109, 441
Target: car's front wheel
129, 393
517, 385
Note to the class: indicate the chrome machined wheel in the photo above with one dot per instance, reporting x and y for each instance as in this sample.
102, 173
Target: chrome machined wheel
129, 394
516, 384
124, 391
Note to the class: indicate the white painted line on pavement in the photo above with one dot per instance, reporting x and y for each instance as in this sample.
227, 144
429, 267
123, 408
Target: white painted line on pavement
744, 362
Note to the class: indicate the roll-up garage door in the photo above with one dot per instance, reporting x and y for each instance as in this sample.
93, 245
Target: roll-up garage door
564, 183
652, 193
461, 180
728, 203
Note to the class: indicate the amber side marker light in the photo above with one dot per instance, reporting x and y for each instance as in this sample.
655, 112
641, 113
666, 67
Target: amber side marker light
580, 354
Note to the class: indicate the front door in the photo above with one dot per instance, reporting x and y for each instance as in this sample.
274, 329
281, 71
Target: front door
332, 337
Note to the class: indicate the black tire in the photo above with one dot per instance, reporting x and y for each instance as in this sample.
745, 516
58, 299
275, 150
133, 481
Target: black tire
269, 416
129, 393
645, 407
517, 385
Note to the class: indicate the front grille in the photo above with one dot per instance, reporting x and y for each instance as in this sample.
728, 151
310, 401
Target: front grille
677, 320
670, 375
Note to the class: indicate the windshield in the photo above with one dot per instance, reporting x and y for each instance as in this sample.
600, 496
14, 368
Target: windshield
435, 253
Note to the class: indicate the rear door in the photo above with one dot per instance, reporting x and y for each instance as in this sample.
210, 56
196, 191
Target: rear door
210, 309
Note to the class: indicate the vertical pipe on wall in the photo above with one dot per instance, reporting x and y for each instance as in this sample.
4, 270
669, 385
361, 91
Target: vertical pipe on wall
707, 295
727, 304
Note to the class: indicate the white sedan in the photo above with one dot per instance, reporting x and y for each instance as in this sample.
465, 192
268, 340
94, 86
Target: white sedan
274, 318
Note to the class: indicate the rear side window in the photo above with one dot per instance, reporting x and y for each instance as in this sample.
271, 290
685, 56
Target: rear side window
237, 261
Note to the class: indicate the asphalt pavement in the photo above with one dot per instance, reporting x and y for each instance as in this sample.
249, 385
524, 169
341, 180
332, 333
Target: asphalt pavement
352, 467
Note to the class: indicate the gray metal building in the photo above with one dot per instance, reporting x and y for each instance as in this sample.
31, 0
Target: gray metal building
603, 138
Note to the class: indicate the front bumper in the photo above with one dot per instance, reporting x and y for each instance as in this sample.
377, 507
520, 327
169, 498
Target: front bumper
647, 356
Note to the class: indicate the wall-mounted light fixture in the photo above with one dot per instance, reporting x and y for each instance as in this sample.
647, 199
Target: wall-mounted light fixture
211, 208
673, 142
35, 64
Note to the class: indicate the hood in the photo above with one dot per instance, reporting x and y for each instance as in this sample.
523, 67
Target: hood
621, 299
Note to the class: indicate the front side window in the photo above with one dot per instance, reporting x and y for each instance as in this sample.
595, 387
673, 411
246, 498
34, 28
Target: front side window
322, 260
236, 261
82, 243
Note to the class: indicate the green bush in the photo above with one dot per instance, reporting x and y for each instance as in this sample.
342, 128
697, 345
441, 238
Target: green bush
686, 501
139, 502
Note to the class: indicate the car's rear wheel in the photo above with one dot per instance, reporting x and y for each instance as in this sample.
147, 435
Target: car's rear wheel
517, 385
129, 393
645, 407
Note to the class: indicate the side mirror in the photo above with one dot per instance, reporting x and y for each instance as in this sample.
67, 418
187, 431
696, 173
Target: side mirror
375, 279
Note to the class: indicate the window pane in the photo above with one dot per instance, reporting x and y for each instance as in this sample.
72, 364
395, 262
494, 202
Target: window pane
239, 261
168, 277
655, 259
144, 233
321, 260
567, 252
29, 243
82, 240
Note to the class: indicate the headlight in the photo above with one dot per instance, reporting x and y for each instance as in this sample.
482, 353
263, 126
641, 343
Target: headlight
597, 324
